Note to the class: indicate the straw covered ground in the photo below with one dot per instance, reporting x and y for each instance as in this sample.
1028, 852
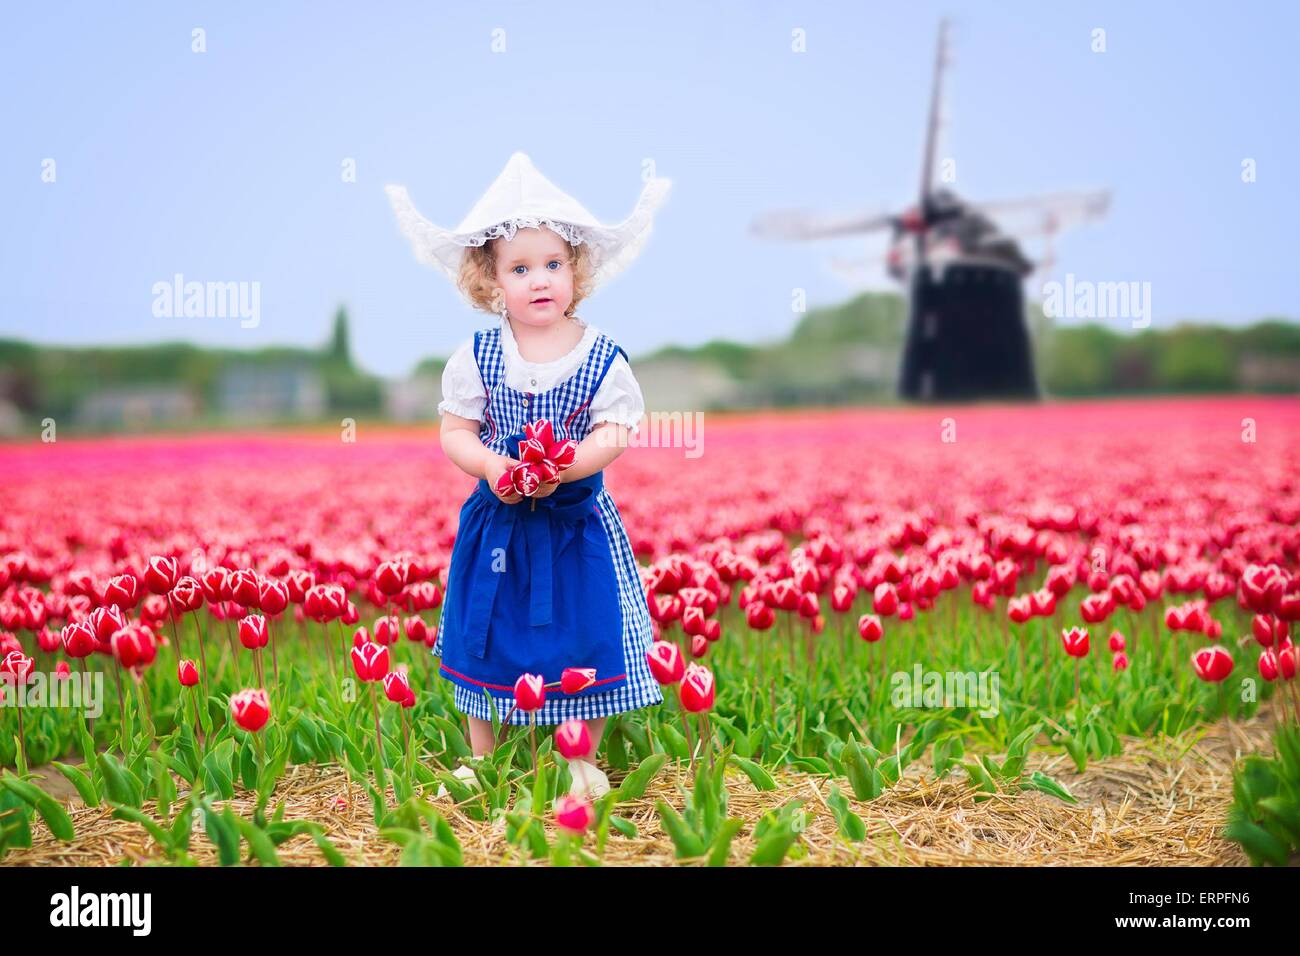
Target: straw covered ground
1164, 802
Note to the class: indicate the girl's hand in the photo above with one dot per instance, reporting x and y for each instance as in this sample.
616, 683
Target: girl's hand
545, 490
497, 466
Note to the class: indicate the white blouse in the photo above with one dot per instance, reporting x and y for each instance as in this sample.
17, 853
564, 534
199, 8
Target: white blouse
618, 399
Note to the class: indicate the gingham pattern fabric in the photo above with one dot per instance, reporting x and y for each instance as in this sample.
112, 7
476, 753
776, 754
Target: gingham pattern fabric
567, 407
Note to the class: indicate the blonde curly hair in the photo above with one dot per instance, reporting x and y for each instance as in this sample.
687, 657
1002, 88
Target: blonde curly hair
478, 277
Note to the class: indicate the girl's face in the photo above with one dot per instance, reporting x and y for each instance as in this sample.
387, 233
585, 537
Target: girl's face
535, 274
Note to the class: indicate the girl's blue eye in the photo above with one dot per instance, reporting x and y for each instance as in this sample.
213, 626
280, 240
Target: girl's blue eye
553, 262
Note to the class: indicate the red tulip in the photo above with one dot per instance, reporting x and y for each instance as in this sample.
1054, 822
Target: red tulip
1043, 602
416, 629
185, 597
397, 687
187, 672
712, 630
272, 596
370, 661
693, 620
216, 585
809, 606
62, 670
759, 616
251, 709
1120, 661
573, 813
123, 592
161, 574
1020, 609
574, 680
697, 689
17, 666
107, 621
1268, 668
906, 611
387, 630
47, 640
1095, 608
530, 692
870, 628
1212, 663
884, 600
1287, 658
1268, 630
573, 740
252, 631
699, 646
133, 645
1117, 642
391, 577
841, 598
666, 662
245, 588
1075, 641
78, 639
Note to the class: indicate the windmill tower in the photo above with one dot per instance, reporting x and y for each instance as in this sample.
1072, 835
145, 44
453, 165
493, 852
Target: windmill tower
966, 335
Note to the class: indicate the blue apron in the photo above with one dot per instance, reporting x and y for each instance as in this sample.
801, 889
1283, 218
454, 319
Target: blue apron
532, 590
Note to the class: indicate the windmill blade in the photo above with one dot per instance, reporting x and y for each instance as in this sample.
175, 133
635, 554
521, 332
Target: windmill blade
797, 224
932, 124
1062, 209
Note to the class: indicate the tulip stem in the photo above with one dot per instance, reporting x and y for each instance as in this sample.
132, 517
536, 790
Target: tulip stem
379, 740
143, 690
1078, 700
532, 735
203, 657
90, 721
198, 726
275, 658
690, 743
22, 736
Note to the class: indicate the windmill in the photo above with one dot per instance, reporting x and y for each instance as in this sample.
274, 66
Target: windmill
966, 335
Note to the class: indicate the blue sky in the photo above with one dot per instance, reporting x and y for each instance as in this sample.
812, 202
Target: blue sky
225, 165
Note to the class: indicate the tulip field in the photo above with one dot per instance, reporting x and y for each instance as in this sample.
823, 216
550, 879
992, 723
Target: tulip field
939, 635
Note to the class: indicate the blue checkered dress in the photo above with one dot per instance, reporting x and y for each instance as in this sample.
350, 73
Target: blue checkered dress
566, 406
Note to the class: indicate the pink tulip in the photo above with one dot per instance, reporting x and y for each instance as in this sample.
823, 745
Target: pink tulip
1075, 641
251, 709
666, 662
1212, 664
573, 740
573, 814
697, 689
574, 680
530, 692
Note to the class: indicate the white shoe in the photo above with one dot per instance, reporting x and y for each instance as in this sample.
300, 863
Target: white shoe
464, 772
588, 780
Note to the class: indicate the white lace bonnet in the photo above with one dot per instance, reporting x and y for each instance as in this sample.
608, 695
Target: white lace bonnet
522, 197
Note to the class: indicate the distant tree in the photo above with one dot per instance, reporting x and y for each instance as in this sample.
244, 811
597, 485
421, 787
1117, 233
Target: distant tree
338, 351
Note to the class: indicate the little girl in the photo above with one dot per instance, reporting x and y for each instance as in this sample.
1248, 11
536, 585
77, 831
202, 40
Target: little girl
541, 584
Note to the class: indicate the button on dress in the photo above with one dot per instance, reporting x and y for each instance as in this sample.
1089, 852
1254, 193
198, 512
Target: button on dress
545, 583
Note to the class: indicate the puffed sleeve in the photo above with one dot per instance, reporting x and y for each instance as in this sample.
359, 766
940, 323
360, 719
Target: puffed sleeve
463, 393
619, 397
